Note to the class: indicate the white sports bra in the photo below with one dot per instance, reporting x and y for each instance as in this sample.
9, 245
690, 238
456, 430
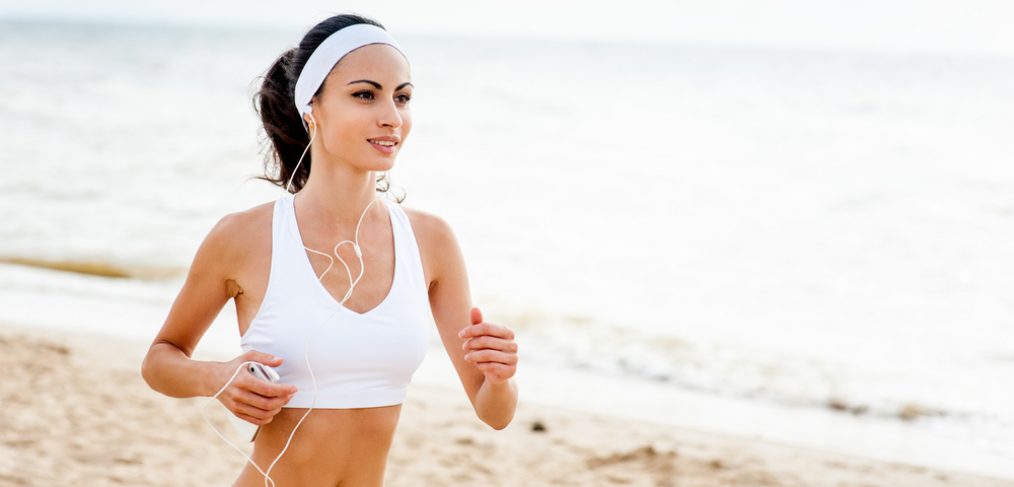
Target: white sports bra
358, 359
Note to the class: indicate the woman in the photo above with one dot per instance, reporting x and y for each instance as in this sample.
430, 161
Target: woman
344, 358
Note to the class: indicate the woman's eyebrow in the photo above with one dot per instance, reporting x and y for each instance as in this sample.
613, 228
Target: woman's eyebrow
378, 86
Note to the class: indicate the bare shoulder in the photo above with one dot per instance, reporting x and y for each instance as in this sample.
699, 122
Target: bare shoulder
436, 240
239, 235
425, 223
210, 281
255, 219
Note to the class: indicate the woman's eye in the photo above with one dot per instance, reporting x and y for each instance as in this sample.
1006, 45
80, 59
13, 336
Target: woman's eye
369, 96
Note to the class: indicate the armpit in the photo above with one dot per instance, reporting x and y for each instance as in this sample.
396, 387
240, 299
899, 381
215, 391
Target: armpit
232, 289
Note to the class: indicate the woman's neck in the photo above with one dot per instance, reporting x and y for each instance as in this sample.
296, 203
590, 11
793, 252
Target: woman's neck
335, 199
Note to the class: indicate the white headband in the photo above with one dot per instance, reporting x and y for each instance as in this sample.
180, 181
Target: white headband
327, 55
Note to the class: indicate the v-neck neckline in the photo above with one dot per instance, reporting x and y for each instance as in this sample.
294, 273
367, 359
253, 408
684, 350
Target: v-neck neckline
316, 281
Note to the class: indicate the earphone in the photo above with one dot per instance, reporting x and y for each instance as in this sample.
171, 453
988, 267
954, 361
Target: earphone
358, 251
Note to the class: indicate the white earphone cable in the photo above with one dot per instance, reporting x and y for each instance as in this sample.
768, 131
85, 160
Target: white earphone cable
220, 435
306, 346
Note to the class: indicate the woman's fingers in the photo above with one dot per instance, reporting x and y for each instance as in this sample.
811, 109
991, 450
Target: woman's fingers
494, 367
492, 342
252, 412
260, 402
251, 419
479, 356
266, 389
487, 329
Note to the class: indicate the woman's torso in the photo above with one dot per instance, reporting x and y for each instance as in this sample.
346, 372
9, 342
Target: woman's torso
348, 444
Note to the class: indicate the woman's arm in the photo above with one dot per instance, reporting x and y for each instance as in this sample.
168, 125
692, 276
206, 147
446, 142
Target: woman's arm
168, 368
486, 373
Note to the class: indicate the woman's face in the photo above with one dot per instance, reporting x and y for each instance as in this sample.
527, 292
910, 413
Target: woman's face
365, 96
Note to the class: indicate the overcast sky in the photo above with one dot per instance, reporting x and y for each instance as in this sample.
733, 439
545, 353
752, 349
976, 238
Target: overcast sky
971, 26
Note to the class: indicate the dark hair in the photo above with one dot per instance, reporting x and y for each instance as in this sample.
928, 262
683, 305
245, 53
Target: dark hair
275, 103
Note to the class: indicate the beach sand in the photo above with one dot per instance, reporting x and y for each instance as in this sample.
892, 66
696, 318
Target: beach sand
77, 412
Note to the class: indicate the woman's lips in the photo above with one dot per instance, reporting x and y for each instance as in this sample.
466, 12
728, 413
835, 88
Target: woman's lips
383, 148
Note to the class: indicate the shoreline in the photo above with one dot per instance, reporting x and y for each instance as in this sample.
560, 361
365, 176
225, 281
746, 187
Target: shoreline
79, 412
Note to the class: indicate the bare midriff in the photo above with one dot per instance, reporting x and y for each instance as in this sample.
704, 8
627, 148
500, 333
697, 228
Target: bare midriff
332, 447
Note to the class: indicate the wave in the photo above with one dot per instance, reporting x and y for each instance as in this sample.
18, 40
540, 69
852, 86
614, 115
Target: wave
96, 268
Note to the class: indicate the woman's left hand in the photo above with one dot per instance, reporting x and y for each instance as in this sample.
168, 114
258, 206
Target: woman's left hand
491, 348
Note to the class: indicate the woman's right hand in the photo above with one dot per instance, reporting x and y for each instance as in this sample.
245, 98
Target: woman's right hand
249, 398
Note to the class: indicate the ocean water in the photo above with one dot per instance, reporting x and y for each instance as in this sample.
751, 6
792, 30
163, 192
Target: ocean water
803, 246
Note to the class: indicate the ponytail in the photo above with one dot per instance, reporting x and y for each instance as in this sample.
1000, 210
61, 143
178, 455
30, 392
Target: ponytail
275, 104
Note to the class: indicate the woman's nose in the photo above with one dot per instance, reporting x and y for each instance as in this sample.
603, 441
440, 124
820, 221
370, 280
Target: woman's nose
391, 117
